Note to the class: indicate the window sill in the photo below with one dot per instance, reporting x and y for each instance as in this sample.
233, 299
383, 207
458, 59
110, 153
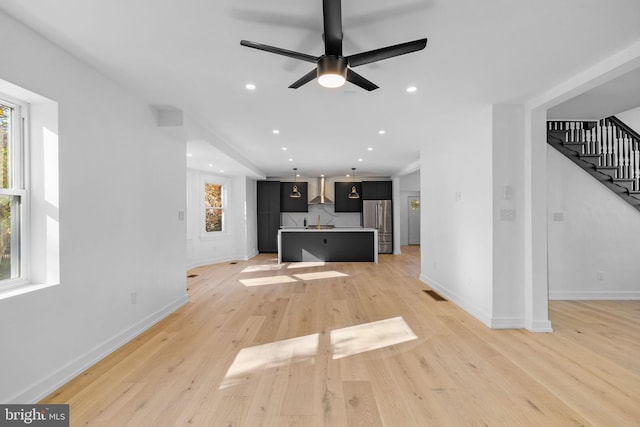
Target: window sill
21, 289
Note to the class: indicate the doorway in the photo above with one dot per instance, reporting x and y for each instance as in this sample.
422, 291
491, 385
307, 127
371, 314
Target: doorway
413, 209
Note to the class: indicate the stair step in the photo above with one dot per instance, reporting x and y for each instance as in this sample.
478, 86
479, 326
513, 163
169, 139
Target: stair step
626, 183
632, 200
635, 194
557, 135
594, 159
618, 189
610, 171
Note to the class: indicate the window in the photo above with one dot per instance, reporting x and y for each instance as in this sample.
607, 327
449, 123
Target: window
214, 207
12, 192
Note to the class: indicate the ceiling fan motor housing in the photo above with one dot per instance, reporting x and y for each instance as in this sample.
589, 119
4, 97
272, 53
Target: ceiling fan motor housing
332, 64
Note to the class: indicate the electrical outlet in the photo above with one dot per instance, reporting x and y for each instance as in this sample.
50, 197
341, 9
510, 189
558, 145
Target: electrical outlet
180, 215
600, 275
558, 216
435, 265
134, 297
458, 195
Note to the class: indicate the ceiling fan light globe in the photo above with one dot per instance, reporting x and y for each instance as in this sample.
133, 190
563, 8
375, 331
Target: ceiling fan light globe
331, 80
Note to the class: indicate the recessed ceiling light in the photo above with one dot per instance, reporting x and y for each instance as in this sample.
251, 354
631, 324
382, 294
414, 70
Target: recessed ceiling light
370, 149
284, 148
210, 165
412, 89
382, 132
322, 175
291, 160
221, 170
298, 175
189, 155
250, 86
276, 131
360, 160
348, 175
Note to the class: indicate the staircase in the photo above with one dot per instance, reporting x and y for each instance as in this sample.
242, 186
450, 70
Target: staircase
607, 149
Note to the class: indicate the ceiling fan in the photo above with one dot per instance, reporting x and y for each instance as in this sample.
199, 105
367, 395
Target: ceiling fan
332, 68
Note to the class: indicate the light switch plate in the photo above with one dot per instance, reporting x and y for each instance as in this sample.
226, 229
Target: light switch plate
507, 214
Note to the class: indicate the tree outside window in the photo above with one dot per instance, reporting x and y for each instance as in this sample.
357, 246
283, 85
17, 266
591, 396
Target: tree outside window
9, 200
214, 209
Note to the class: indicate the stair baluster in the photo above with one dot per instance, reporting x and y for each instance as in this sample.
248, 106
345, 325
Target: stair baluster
607, 149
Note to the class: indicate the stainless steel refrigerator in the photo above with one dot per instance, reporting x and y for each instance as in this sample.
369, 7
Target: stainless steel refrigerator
377, 214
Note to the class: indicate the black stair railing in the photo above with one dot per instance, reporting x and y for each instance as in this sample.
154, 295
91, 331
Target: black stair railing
608, 149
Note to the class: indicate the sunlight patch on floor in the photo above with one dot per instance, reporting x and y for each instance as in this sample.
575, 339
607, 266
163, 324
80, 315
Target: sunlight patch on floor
272, 355
307, 264
320, 275
262, 267
344, 342
370, 336
271, 280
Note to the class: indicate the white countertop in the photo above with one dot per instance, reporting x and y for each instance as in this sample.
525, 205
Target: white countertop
331, 230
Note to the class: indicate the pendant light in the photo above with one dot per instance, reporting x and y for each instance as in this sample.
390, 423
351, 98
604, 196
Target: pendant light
354, 193
295, 194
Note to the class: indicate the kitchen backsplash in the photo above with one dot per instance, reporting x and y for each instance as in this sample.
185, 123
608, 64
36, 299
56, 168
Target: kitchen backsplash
328, 216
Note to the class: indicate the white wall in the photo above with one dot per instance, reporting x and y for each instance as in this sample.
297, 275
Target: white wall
251, 213
121, 187
631, 118
409, 186
597, 232
508, 216
456, 221
239, 237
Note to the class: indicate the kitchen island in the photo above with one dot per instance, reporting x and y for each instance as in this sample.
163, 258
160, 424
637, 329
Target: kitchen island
343, 244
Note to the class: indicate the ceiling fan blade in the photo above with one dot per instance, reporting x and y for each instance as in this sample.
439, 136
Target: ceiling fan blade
358, 80
332, 16
280, 51
305, 79
386, 52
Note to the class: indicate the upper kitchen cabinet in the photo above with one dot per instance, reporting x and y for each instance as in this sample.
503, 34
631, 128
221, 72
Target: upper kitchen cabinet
376, 190
293, 204
343, 202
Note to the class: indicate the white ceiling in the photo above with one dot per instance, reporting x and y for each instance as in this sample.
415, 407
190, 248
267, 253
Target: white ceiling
611, 98
186, 54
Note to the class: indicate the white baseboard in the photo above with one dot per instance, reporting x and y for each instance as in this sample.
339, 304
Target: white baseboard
540, 326
594, 295
219, 260
469, 308
41, 389
507, 323
486, 319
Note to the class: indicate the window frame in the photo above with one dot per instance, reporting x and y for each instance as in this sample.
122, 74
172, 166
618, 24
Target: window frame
19, 184
203, 221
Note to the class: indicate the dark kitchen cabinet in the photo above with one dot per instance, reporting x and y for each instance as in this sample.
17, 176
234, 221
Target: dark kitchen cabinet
328, 246
376, 190
268, 205
291, 204
344, 203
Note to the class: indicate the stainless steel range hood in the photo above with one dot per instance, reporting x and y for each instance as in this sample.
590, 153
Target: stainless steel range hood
321, 199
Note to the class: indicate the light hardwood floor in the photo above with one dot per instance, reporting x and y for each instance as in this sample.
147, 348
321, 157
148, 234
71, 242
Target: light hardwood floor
359, 345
